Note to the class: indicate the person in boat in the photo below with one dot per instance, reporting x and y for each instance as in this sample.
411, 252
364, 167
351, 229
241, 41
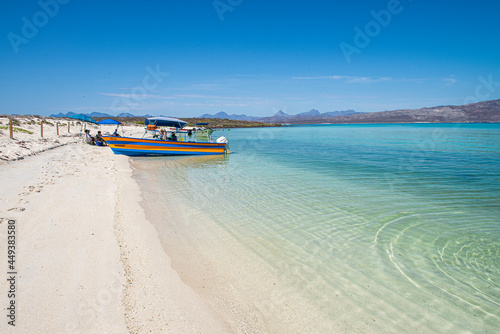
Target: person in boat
163, 134
173, 137
115, 134
98, 139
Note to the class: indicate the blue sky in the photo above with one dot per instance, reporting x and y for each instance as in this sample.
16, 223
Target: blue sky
187, 58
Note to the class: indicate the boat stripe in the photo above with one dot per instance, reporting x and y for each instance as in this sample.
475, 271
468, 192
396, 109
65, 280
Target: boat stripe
133, 152
148, 148
116, 140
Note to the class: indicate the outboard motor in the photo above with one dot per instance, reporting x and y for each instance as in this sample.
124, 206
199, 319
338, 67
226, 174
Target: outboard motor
221, 140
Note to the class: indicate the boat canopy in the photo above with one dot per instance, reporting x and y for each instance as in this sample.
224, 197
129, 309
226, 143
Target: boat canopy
165, 121
201, 124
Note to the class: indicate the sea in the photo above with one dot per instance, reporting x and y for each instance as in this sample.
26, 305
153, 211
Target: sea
379, 228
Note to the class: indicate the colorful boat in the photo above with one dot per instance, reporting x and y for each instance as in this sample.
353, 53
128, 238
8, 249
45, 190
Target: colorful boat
178, 143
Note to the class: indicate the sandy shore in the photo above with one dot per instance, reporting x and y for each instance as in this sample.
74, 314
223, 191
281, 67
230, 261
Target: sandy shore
87, 260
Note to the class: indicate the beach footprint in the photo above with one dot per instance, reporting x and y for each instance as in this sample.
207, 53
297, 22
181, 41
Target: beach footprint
17, 209
31, 189
23, 201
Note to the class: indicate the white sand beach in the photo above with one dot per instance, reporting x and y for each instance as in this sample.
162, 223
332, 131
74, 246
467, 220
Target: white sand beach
87, 260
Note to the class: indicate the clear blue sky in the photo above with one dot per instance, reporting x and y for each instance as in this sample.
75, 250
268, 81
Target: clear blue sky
241, 56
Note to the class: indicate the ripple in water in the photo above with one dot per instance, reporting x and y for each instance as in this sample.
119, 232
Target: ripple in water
382, 234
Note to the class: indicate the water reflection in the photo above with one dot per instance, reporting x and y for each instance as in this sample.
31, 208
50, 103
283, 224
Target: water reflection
192, 161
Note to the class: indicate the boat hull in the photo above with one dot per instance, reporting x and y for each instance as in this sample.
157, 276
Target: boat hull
151, 147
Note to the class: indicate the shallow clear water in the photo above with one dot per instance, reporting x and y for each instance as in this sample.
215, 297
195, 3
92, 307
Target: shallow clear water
388, 227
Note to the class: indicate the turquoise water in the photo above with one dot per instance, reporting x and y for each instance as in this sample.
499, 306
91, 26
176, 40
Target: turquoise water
380, 228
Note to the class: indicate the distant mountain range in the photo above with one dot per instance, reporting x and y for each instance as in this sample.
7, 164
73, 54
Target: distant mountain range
312, 115
480, 112
98, 114
223, 115
281, 117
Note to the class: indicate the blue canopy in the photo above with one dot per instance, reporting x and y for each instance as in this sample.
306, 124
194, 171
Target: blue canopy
83, 118
166, 121
109, 121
